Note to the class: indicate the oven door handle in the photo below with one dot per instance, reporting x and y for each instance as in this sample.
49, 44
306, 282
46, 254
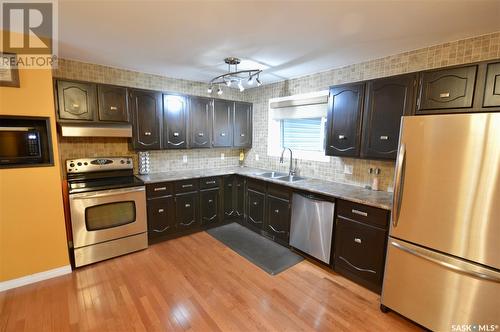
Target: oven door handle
105, 193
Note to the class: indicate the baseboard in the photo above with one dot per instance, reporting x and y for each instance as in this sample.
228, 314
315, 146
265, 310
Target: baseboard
32, 278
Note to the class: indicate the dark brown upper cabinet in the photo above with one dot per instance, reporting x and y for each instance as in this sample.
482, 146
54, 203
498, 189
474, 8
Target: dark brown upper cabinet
446, 90
113, 103
174, 121
223, 123
242, 125
146, 108
344, 120
386, 101
492, 86
200, 114
76, 100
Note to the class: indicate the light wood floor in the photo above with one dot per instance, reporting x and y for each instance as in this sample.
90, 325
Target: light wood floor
194, 283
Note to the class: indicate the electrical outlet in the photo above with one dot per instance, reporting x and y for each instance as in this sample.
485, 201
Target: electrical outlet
222, 156
184, 158
257, 157
348, 169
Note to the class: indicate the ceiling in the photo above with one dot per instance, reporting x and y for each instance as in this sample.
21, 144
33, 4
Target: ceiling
190, 39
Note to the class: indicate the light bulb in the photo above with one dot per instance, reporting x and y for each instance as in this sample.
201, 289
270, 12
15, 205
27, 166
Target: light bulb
228, 83
209, 90
259, 83
241, 87
250, 80
219, 91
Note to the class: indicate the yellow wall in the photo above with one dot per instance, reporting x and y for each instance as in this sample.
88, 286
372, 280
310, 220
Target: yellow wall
32, 229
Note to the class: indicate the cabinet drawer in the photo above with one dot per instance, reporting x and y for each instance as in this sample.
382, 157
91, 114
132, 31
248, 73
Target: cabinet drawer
256, 185
186, 186
359, 249
363, 213
212, 182
159, 189
278, 191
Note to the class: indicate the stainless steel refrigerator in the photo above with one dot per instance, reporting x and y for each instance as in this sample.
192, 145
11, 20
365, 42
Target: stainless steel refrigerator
443, 253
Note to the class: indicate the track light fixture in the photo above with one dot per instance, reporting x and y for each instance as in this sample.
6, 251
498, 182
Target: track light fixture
239, 77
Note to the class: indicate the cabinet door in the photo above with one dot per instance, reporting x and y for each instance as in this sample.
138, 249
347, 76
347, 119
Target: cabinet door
387, 100
360, 251
174, 121
242, 132
492, 86
186, 211
146, 113
278, 217
447, 89
223, 123
229, 203
255, 204
161, 218
239, 194
209, 206
76, 101
113, 103
200, 113
344, 120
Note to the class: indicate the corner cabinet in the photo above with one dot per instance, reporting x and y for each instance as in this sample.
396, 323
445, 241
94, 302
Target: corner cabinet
344, 120
146, 109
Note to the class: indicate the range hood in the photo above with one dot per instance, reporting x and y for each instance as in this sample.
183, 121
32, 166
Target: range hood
92, 130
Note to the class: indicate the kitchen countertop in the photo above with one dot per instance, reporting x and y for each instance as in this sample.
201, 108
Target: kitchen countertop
379, 199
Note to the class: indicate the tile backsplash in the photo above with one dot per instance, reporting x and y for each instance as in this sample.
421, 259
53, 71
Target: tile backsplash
453, 53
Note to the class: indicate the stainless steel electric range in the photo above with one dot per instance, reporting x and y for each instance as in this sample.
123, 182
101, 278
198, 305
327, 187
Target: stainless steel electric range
108, 208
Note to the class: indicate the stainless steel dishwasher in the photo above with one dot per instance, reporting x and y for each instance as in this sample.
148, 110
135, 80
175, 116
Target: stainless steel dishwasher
312, 225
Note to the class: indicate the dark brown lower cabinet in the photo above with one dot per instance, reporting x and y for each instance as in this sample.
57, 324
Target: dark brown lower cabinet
161, 218
359, 252
186, 211
278, 218
229, 204
209, 206
239, 197
255, 208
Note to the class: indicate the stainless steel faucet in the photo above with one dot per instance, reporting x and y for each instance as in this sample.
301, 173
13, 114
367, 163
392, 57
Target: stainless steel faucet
291, 171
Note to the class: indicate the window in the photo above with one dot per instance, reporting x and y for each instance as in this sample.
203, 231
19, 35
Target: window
298, 122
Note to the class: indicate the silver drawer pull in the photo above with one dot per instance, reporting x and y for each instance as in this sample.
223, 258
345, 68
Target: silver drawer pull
210, 182
201, 134
223, 134
361, 213
229, 185
276, 211
210, 201
187, 185
242, 135
255, 203
147, 133
160, 189
444, 95
176, 134
161, 210
75, 105
384, 138
113, 108
341, 136
187, 205
357, 240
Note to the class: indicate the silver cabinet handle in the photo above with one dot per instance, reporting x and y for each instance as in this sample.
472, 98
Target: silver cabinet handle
384, 138
357, 268
341, 136
223, 134
160, 189
360, 213
255, 203
275, 230
444, 95
176, 134
210, 182
440, 259
398, 185
357, 240
161, 210
161, 230
187, 205
276, 211
187, 185
113, 108
75, 105
242, 135
201, 134
147, 133
105, 193
210, 201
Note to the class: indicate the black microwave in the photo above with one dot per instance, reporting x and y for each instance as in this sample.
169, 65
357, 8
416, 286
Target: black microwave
19, 145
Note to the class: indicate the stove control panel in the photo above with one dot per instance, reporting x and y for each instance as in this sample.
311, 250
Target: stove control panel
85, 165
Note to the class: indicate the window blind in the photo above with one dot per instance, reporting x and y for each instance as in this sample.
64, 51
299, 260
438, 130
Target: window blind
302, 134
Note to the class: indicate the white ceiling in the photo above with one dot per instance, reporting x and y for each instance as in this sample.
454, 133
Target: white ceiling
190, 39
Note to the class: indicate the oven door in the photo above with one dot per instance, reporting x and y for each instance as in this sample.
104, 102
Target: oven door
106, 215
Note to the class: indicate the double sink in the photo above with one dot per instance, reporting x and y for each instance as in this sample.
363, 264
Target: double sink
280, 176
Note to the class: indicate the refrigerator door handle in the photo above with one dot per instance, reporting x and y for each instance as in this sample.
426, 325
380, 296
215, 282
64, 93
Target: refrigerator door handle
398, 185
449, 263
